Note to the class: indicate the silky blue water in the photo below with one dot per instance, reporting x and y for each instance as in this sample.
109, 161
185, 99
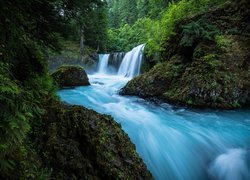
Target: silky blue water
174, 142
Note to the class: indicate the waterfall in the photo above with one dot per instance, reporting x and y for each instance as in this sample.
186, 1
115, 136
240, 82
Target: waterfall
131, 63
103, 63
116, 63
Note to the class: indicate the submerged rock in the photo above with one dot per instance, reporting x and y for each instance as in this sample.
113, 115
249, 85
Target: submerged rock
209, 69
68, 76
81, 144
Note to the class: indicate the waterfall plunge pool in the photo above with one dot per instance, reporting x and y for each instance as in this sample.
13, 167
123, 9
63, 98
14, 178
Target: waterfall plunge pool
174, 142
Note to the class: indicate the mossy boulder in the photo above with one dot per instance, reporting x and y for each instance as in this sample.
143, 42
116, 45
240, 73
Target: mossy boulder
68, 76
78, 143
199, 71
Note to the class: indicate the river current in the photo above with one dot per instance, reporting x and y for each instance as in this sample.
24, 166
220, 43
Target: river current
174, 142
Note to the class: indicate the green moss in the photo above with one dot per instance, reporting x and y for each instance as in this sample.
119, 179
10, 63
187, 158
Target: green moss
70, 76
211, 57
82, 143
236, 104
220, 99
190, 102
213, 60
224, 42
197, 31
198, 53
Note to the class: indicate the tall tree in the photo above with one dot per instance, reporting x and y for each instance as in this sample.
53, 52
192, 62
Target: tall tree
90, 18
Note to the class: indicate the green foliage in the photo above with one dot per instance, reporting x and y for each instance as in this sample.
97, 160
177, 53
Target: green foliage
210, 57
159, 25
123, 12
14, 114
234, 30
196, 31
212, 60
236, 104
18, 106
86, 19
223, 42
183, 9
28, 30
127, 37
190, 102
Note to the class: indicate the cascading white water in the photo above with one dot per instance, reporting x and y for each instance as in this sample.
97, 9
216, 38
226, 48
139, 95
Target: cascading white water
103, 63
129, 66
131, 63
230, 165
175, 143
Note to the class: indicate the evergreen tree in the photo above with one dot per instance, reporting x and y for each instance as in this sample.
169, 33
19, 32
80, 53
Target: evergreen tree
90, 21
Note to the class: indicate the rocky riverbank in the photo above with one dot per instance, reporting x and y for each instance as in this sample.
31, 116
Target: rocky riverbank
206, 63
81, 144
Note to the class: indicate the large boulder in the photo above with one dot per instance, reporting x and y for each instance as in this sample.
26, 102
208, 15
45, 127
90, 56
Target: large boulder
68, 76
78, 143
209, 69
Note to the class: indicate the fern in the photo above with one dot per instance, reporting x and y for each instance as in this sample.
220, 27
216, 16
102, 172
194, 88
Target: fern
197, 31
14, 115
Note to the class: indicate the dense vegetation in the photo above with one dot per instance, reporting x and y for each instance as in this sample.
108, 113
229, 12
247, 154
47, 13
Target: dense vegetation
154, 22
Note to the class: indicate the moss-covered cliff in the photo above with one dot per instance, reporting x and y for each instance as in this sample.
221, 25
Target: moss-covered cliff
206, 63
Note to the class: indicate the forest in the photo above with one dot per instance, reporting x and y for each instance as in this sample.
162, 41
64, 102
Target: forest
125, 89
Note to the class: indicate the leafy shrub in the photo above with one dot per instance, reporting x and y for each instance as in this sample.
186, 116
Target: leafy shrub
15, 113
19, 106
223, 42
197, 31
212, 60
155, 32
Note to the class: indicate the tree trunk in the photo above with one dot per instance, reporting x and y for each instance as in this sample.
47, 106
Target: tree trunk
98, 47
81, 42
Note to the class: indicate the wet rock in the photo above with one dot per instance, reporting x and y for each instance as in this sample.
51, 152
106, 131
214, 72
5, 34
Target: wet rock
81, 144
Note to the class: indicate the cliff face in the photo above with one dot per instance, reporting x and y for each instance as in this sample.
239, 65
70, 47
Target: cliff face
207, 61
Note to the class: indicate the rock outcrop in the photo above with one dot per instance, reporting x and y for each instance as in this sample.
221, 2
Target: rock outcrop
78, 143
207, 62
68, 76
